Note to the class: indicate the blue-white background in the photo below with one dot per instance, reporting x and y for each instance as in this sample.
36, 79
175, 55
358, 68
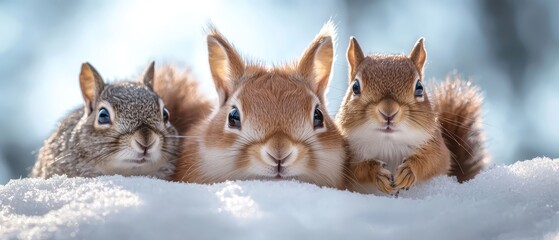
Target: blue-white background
508, 47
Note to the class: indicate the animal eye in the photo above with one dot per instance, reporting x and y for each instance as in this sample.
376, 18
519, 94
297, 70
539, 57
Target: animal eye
318, 121
418, 89
234, 118
356, 87
103, 116
165, 115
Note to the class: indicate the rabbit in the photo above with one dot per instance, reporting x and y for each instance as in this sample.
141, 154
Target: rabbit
271, 123
123, 128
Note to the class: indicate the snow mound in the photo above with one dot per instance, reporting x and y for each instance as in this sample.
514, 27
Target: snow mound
520, 201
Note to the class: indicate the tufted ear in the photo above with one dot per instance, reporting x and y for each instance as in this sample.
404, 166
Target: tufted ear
91, 84
147, 78
418, 55
354, 56
226, 65
315, 65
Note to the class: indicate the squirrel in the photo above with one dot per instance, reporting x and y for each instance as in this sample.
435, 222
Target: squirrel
270, 123
397, 133
123, 128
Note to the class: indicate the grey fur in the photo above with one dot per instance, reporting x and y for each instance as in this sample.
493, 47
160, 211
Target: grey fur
77, 148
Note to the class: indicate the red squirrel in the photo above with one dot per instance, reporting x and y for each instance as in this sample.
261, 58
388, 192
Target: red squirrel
398, 134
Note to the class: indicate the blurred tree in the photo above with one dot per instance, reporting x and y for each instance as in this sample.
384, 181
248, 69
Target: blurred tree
519, 34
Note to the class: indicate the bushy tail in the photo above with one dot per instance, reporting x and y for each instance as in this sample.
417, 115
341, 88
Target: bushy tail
180, 93
459, 106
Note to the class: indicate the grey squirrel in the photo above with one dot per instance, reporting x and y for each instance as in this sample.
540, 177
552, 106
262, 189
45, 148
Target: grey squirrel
123, 128
397, 133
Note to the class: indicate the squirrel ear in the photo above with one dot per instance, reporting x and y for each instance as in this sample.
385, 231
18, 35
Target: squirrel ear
226, 65
354, 55
316, 62
91, 84
418, 55
148, 75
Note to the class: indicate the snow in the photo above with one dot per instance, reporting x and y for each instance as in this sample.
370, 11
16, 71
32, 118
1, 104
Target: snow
519, 201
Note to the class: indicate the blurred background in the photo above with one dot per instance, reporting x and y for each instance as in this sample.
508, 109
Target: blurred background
509, 48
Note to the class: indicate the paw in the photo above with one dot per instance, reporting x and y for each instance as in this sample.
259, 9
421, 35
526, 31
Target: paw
405, 178
383, 179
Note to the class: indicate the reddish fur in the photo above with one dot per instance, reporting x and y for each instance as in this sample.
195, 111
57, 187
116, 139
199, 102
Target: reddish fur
429, 160
187, 167
369, 171
186, 106
277, 102
179, 91
459, 107
387, 85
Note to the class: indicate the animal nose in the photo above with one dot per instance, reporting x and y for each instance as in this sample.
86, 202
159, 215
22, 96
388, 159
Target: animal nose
279, 158
145, 146
279, 150
389, 116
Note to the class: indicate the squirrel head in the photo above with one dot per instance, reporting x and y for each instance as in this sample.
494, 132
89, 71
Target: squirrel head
125, 124
272, 123
387, 95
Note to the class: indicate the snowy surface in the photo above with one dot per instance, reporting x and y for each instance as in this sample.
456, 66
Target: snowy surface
520, 201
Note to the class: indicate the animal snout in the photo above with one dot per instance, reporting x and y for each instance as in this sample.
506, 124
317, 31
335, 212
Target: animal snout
388, 110
144, 145
145, 140
279, 151
388, 116
278, 157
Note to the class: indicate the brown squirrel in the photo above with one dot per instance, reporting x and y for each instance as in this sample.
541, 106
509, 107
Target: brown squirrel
271, 123
399, 135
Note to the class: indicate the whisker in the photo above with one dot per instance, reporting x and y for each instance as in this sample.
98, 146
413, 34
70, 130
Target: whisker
191, 137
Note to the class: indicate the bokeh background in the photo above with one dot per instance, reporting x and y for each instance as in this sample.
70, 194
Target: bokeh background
509, 48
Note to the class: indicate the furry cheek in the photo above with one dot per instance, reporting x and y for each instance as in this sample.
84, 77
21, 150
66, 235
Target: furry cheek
325, 160
220, 165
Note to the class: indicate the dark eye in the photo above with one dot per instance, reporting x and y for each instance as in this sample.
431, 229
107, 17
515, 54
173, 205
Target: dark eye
234, 118
318, 121
165, 115
103, 116
418, 89
356, 87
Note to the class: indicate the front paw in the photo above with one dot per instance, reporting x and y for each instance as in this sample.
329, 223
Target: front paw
405, 177
374, 172
383, 180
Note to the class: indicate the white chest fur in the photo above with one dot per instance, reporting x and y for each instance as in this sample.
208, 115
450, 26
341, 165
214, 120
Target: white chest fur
368, 143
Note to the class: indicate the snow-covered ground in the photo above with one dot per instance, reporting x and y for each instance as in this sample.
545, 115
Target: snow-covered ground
520, 201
